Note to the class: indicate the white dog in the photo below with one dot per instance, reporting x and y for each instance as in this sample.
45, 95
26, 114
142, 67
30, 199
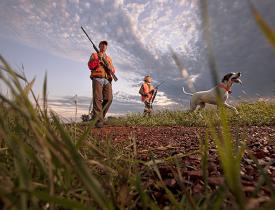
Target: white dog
210, 96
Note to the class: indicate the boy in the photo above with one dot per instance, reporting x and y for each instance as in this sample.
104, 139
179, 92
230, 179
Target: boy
146, 91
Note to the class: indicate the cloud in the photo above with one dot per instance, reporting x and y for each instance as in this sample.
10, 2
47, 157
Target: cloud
87, 5
140, 33
163, 100
139, 30
123, 103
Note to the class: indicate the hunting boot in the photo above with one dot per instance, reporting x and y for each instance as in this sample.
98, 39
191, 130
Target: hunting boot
99, 124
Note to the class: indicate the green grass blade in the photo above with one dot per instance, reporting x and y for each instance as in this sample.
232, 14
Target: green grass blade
88, 179
60, 201
266, 29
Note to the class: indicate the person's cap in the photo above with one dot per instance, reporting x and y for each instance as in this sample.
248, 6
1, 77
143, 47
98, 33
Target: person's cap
104, 42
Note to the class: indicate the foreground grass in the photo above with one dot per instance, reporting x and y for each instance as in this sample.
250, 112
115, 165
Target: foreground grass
256, 113
46, 164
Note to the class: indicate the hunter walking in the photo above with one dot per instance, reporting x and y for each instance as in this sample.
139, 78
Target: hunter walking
147, 91
102, 83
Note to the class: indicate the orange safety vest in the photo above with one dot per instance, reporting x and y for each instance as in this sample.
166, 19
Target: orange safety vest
97, 70
147, 88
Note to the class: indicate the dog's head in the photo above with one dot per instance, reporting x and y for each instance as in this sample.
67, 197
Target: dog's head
232, 77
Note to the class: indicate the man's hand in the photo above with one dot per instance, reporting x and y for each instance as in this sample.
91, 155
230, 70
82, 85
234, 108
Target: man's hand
103, 63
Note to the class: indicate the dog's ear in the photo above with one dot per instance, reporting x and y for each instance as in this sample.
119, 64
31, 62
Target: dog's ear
227, 77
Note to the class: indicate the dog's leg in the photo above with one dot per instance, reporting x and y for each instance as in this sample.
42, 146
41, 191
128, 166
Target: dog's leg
231, 107
202, 105
193, 103
193, 106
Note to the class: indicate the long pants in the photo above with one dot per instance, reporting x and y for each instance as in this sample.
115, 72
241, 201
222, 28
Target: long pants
148, 109
102, 99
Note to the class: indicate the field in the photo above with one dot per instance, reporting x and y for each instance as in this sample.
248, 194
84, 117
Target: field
173, 160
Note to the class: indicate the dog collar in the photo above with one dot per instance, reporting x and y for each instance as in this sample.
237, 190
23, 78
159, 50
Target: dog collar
227, 89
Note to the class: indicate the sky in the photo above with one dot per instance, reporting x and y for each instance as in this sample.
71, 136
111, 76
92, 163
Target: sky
45, 37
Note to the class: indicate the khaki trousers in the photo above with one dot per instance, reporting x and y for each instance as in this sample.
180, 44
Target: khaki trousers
102, 99
148, 109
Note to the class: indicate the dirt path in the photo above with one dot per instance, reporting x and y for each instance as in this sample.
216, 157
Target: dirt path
165, 142
184, 139
176, 139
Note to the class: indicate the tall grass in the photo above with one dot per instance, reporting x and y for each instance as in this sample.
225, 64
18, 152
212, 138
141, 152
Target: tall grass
230, 157
40, 154
250, 113
265, 28
46, 164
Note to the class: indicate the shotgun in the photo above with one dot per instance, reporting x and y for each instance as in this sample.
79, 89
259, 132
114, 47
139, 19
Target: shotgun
105, 63
155, 92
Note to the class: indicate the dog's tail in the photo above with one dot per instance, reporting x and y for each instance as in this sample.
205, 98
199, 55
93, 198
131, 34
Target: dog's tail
186, 92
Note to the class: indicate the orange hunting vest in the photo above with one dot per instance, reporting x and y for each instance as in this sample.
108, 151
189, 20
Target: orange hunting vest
146, 89
99, 71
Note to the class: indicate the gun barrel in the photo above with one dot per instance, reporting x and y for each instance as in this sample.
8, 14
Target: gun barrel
159, 84
90, 40
156, 91
105, 62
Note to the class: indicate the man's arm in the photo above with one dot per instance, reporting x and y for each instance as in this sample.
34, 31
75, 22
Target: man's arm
111, 66
93, 62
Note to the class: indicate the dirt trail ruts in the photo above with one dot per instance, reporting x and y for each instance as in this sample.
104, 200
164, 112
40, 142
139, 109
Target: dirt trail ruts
167, 141
184, 139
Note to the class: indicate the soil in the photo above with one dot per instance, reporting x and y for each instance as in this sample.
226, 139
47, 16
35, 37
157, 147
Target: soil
164, 142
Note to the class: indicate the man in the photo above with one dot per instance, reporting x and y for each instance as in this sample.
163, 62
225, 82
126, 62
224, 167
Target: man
146, 91
102, 83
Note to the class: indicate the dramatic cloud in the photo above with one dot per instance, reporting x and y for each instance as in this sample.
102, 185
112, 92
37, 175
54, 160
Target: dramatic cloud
141, 34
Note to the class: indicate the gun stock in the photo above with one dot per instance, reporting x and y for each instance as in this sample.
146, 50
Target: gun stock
155, 92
